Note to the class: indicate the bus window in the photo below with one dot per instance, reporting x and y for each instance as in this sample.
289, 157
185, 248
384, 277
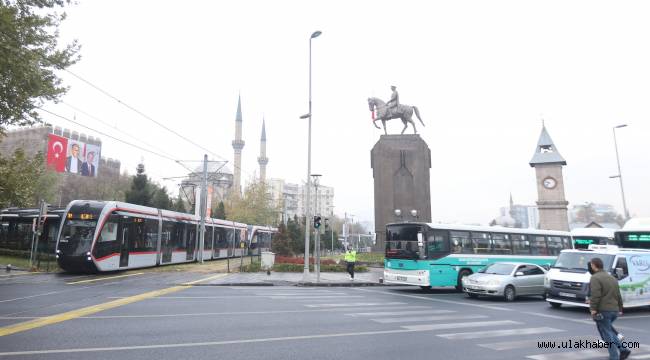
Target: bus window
461, 243
566, 242
538, 245
501, 244
437, 244
481, 242
554, 245
520, 246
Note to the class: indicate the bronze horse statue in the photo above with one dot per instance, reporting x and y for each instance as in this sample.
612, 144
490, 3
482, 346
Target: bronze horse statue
403, 112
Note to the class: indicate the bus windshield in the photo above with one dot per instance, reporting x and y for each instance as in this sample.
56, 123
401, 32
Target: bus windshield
77, 237
579, 260
402, 242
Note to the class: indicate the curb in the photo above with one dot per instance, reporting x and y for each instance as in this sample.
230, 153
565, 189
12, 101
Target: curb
350, 284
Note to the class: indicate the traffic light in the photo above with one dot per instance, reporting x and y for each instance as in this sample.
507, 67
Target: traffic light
327, 223
316, 222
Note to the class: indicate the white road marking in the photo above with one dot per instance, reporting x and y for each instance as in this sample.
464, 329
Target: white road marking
394, 313
461, 325
438, 300
314, 297
497, 333
212, 343
427, 318
355, 304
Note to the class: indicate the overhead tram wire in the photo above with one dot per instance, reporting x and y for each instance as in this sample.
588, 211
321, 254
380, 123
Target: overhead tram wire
115, 128
116, 139
106, 93
139, 112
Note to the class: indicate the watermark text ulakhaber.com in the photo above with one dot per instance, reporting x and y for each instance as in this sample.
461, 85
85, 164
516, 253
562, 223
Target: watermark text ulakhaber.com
585, 344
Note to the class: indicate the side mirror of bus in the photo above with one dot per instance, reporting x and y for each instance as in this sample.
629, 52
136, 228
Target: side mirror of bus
619, 273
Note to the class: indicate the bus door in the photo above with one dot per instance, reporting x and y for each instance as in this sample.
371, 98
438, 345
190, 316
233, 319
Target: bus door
124, 243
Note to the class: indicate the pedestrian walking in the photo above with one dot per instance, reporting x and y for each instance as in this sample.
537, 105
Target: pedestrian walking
350, 259
605, 305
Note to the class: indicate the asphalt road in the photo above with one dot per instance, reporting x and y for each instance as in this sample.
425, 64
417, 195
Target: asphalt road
152, 315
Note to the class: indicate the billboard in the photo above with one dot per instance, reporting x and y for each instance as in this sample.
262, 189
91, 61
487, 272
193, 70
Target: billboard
72, 156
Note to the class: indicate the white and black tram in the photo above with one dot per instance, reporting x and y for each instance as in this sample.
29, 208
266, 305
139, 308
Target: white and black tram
110, 235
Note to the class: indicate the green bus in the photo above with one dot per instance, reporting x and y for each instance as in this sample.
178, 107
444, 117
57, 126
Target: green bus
439, 255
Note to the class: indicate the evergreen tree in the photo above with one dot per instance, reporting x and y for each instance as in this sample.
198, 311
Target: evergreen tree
220, 212
161, 199
179, 205
281, 243
29, 56
140, 193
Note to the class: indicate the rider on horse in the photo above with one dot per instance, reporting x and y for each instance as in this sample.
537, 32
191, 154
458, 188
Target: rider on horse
393, 103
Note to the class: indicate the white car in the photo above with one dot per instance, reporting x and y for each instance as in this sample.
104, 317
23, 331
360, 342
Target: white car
507, 280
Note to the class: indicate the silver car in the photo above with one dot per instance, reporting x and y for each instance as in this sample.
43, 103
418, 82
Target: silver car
506, 279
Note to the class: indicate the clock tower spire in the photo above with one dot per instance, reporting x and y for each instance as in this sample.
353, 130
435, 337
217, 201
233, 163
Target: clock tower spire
552, 204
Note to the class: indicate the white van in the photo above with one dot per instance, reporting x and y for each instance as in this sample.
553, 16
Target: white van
567, 282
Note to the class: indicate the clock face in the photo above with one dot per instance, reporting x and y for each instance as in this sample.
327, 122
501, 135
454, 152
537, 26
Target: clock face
549, 183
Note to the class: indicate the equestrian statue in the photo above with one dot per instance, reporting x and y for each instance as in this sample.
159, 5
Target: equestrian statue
393, 110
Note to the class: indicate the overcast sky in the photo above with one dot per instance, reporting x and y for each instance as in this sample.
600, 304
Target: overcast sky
483, 74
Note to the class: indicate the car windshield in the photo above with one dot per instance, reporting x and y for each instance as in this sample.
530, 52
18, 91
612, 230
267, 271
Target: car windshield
579, 260
498, 269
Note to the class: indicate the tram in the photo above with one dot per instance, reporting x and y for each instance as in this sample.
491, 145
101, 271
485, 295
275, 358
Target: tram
98, 236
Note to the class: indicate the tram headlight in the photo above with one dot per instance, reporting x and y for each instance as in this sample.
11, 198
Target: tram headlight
88, 253
89, 258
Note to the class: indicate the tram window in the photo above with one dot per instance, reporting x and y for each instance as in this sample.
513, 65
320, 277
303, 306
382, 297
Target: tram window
106, 243
461, 242
554, 245
220, 240
151, 234
207, 241
237, 238
481, 242
167, 231
179, 236
520, 246
501, 244
538, 245
109, 232
230, 238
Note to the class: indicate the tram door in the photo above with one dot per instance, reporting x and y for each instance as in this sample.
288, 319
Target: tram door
124, 245
166, 241
191, 241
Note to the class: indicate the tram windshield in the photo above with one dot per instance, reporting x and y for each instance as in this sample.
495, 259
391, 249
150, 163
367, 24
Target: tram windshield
77, 236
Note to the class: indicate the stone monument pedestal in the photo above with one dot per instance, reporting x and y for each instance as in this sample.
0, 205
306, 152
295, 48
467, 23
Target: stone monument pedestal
400, 168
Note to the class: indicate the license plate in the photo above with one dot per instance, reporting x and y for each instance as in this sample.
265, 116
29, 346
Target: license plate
567, 294
400, 278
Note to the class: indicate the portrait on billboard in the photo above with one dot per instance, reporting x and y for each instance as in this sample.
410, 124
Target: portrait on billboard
91, 160
74, 161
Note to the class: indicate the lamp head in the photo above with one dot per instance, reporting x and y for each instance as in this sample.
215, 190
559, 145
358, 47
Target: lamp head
316, 34
398, 212
620, 126
414, 213
306, 116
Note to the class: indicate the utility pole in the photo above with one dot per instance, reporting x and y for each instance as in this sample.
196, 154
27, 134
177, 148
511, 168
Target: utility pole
204, 206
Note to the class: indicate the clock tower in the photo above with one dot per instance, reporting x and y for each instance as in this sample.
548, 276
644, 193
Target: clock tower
552, 204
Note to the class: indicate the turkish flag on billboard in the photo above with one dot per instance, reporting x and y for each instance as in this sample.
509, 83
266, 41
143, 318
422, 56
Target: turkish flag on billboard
57, 148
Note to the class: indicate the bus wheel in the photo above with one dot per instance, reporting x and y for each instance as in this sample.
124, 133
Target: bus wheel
555, 305
459, 281
509, 293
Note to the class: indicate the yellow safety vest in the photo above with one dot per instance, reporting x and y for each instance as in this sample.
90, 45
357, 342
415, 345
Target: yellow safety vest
351, 256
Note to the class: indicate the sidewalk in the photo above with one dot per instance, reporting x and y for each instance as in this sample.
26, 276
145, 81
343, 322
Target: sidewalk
370, 278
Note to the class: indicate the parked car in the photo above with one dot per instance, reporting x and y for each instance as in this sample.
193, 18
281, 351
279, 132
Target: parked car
506, 279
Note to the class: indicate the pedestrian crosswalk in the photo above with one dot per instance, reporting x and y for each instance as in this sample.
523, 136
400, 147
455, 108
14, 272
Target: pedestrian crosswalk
511, 338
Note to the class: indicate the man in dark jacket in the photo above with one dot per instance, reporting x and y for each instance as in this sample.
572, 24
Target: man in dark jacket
605, 304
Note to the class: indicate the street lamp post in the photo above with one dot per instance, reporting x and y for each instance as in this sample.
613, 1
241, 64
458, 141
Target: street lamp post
314, 35
620, 176
317, 235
